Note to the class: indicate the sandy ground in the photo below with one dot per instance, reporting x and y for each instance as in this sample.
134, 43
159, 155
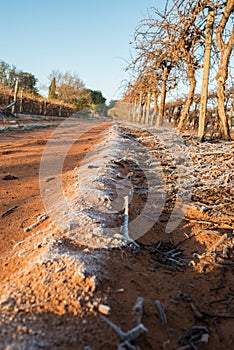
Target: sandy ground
53, 288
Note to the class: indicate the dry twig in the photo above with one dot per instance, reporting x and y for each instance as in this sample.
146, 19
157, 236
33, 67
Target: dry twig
161, 312
138, 310
9, 211
41, 218
128, 338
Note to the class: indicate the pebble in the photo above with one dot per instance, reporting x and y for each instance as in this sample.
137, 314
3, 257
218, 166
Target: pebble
205, 338
104, 309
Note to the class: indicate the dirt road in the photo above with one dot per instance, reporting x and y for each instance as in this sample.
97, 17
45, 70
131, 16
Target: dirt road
53, 288
20, 156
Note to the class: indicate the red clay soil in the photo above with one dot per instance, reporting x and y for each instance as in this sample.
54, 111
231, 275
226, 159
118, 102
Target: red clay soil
58, 308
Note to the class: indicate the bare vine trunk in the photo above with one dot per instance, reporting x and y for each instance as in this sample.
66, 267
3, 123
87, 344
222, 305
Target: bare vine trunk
155, 113
134, 110
139, 107
163, 97
225, 49
224, 125
206, 71
155, 102
231, 111
190, 97
148, 107
221, 79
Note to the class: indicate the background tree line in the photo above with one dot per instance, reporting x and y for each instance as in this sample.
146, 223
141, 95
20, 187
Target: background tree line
173, 48
69, 88
65, 88
9, 74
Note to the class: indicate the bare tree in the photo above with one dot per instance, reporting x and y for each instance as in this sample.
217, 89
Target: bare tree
225, 49
170, 44
190, 40
69, 86
153, 42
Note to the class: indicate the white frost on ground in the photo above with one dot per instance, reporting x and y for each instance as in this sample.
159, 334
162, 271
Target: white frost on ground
90, 196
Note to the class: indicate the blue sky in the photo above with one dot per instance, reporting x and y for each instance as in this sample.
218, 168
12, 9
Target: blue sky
90, 37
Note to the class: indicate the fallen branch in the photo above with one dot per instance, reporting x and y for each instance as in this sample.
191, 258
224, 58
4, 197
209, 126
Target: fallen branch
194, 337
216, 224
168, 255
161, 312
196, 311
208, 314
32, 306
9, 211
138, 310
201, 314
128, 337
41, 218
126, 218
217, 244
124, 228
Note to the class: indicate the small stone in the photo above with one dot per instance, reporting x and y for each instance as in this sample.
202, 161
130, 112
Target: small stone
81, 276
205, 338
95, 304
90, 306
104, 309
89, 236
130, 174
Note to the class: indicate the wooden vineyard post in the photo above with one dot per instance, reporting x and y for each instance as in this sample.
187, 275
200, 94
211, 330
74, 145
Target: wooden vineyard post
15, 96
231, 112
155, 113
206, 69
148, 107
163, 97
140, 107
21, 101
129, 110
60, 111
134, 110
143, 112
45, 108
41, 108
